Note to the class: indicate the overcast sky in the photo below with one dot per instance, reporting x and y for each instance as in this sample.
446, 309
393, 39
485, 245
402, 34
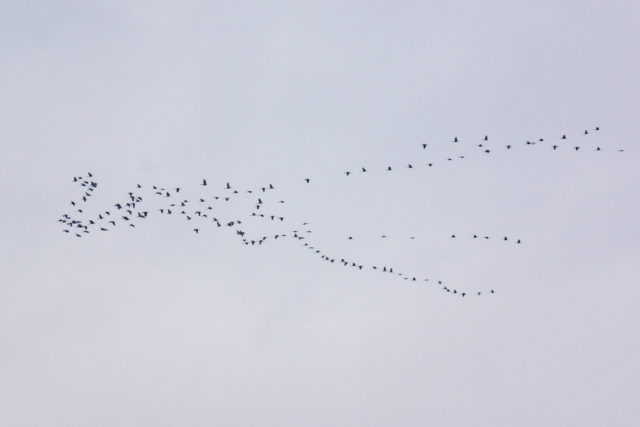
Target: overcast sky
160, 326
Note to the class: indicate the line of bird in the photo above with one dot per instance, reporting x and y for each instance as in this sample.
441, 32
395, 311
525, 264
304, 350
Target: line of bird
453, 236
130, 210
484, 148
389, 270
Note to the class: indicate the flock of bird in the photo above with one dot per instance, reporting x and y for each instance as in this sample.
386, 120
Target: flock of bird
201, 212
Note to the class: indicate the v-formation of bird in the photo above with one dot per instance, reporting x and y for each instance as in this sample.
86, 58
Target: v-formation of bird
129, 212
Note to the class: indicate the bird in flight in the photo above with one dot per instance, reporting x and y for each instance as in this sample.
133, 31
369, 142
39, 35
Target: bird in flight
134, 202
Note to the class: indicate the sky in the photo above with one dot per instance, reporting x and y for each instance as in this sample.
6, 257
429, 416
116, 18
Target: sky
157, 325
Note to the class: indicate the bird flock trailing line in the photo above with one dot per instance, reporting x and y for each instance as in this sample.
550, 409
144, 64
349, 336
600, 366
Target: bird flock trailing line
201, 211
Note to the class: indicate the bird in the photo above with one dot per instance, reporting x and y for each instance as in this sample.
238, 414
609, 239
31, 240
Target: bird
424, 146
486, 138
347, 173
564, 137
576, 147
388, 168
307, 179
508, 147
228, 186
409, 166
455, 139
196, 230
204, 182
364, 170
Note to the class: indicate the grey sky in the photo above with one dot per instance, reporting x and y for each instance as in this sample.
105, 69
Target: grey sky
157, 326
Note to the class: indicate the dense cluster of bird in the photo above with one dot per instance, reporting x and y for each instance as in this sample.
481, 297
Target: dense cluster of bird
201, 211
